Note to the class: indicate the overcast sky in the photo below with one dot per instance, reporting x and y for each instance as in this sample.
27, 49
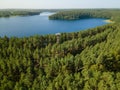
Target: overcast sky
55, 4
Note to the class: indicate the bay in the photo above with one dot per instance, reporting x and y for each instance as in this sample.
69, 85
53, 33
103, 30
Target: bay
23, 26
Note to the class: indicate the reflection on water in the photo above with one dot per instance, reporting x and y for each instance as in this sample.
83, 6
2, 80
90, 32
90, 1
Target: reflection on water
47, 13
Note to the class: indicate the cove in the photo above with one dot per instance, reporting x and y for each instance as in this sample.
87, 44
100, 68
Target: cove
24, 26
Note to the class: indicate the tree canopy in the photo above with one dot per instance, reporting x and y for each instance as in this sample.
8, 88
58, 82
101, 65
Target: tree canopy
85, 60
112, 14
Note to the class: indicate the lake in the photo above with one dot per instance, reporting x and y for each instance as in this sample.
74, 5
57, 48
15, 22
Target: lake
21, 26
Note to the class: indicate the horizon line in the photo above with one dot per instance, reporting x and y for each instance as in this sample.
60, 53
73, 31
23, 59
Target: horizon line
57, 8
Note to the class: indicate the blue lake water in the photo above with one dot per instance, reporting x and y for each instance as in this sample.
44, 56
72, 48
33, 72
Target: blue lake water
21, 26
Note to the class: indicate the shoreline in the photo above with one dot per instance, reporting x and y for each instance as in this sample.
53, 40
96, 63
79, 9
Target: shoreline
109, 21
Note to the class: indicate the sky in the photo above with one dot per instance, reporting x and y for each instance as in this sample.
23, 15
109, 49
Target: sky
58, 4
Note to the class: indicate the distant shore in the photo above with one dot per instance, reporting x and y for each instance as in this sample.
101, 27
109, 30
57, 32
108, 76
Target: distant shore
108, 21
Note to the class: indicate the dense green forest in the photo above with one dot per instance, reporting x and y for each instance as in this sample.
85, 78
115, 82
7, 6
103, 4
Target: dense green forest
85, 60
8, 13
113, 14
24, 12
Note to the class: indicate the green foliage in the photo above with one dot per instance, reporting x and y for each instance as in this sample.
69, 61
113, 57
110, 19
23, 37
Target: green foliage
112, 14
8, 13
85, 60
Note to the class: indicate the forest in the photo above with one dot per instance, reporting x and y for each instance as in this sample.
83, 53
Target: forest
12, 12
113, 14
85, 60
25, 12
